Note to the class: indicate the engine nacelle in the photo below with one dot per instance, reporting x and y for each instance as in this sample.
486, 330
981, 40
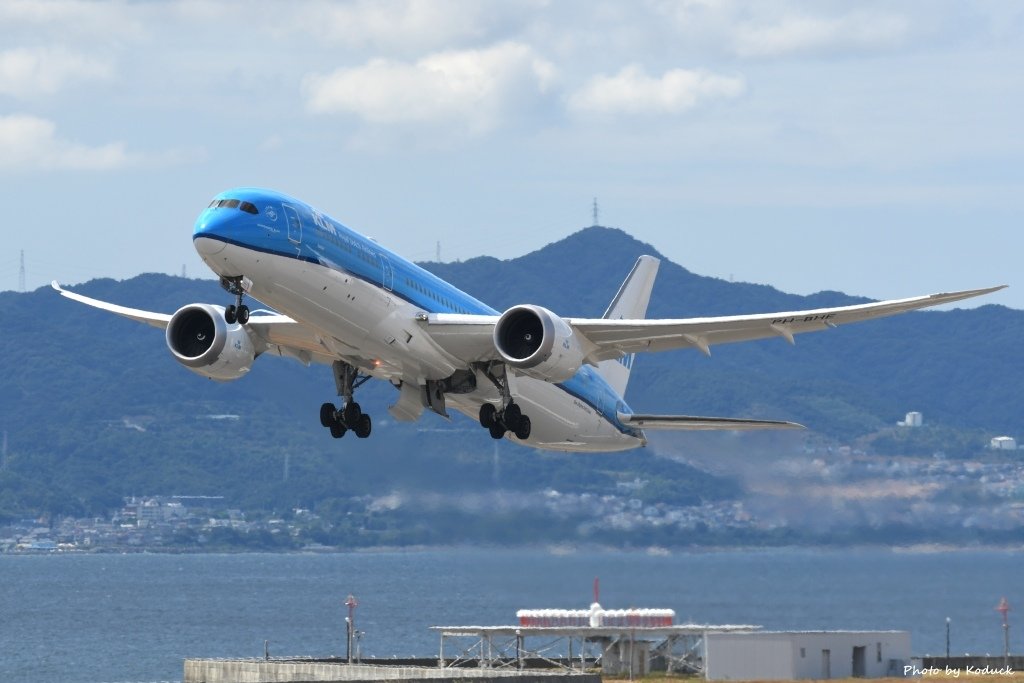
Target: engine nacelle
538, 342
203, 342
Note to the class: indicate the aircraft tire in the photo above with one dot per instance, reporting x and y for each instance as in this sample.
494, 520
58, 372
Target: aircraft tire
327, 412
351, 414
363, 426
522, 430
497, 430
487, 413
243, 314
511, 416
230, 315
338, 430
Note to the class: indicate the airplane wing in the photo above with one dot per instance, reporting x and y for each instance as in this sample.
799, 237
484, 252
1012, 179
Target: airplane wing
155, 319
691, 422
469, 337
616, 337
271, 333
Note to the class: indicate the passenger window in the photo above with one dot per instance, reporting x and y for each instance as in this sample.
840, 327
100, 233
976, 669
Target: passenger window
248, 207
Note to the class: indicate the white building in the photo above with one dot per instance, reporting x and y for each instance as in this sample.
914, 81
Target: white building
913, 419
1003, 443
793, 655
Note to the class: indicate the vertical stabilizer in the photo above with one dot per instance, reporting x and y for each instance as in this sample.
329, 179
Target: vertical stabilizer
629, 304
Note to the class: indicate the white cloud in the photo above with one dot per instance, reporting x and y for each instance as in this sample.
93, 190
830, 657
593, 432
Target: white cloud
632, 91
474, 87
30, 72
72, 18
805, 34
29, 142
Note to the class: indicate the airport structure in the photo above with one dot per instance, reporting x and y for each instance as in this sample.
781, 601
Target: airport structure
795, 655
568, 646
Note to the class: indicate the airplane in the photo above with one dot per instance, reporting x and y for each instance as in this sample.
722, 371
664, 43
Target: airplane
525, 374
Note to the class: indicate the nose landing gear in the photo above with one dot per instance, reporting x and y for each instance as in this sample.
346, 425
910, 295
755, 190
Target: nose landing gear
237, 311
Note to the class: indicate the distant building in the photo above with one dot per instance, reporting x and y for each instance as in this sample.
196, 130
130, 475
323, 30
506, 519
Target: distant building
794, 655
1003, 443
913, 419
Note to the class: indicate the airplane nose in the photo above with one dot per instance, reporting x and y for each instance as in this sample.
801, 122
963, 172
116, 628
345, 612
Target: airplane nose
210, 228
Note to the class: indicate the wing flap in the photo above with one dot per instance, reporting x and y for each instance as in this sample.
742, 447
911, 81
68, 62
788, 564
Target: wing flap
697, 423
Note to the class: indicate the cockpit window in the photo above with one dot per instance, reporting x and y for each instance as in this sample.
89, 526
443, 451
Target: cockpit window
248, 207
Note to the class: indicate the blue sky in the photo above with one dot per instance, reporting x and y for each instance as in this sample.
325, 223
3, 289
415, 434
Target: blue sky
868, 147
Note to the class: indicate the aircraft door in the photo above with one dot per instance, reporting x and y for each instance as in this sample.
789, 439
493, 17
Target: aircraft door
387, 278
294, 224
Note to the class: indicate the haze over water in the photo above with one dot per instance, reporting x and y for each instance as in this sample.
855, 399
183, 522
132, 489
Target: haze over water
95, 618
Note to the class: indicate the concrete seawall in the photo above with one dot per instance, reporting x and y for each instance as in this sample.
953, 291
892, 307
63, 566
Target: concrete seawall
320, 671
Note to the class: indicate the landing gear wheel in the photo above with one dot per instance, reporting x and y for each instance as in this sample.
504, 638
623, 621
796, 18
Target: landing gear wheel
243, 314
511, 416
230, 315
497, 430
487, 413
327, 412
338, 430
351, 414
363, 426
522, 430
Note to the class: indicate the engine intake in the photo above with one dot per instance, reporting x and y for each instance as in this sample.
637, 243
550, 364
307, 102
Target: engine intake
538, 342
203, 342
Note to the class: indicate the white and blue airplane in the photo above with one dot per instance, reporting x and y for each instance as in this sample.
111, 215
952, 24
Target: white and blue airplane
526, 374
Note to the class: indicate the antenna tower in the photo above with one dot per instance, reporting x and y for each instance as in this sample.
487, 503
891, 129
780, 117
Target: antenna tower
595, 212
439, 251
21, 273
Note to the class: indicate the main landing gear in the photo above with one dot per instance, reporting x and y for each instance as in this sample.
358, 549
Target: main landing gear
350, 417
237, 311
510, 418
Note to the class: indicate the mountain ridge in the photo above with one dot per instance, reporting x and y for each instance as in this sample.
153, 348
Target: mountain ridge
96, 408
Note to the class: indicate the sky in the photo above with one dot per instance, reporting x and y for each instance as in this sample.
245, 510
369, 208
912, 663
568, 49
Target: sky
869, 147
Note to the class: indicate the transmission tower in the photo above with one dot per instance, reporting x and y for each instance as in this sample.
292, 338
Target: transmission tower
21, 273
595, 212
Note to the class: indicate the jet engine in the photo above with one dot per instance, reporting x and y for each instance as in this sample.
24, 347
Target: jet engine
539, 343
203, 342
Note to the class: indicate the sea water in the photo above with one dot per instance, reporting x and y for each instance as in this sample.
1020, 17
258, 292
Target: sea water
96, 618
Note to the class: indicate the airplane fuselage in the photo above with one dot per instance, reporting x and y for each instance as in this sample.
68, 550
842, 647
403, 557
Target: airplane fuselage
364, 303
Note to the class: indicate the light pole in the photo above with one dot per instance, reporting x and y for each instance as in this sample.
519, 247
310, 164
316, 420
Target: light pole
350, 623
1004, 609
947, 639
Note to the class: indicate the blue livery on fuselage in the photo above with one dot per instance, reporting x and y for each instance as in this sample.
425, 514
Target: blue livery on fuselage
275, 223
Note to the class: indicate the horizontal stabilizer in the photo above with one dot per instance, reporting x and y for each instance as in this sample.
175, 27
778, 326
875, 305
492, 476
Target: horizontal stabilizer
692, 422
